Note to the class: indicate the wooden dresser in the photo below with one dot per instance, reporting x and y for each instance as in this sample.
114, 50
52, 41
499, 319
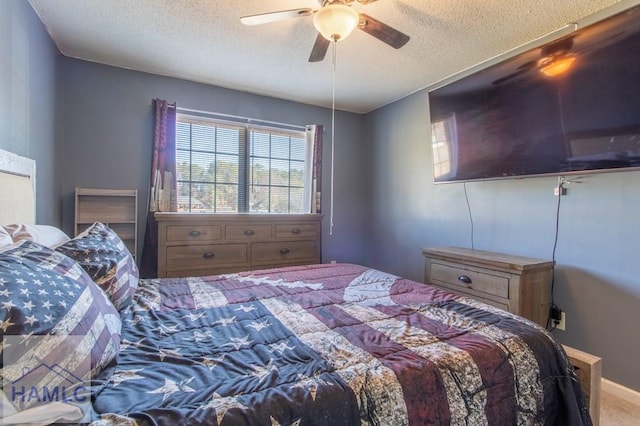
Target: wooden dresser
521, 285
196, 244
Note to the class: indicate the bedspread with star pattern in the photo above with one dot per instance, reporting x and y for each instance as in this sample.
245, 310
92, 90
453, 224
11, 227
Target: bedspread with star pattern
330, 345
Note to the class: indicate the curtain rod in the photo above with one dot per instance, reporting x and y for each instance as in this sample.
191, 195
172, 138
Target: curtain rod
237, 117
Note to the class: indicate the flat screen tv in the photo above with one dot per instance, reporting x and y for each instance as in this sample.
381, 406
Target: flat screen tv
569, 106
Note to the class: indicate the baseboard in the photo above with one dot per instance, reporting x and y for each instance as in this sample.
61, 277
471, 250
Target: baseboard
620, 391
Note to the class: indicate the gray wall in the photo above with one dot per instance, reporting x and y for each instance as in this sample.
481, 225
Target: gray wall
598, 251
108, 137
30, 100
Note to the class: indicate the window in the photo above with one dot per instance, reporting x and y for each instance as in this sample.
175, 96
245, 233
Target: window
445, 142
226, 167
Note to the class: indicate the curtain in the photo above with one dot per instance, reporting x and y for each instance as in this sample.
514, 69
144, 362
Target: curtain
163, 186
314, 142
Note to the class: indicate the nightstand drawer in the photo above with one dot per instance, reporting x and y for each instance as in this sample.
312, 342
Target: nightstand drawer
468, 279
205, 255
296, 230
502, 304
193, 233
283, 251
247, 232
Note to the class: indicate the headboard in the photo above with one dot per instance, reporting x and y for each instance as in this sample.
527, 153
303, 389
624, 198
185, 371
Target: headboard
17, 189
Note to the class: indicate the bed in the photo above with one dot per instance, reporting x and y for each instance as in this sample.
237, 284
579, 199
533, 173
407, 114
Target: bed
327, 344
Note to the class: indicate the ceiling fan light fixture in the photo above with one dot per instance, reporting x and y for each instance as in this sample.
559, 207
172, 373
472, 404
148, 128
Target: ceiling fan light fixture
557, 66
335, 21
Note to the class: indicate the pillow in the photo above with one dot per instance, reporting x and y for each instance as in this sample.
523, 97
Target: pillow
106, 259
5, 238
43, 292
46, 235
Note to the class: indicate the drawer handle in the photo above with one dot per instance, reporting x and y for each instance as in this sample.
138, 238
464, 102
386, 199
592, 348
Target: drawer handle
465, 279
208, 255
284, 250
249, 232
295, 231
194, 233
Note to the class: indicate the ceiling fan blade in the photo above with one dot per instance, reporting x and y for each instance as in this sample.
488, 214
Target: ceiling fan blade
265, 18
323, 3
522, 69
319, 49
382, 32
557, 47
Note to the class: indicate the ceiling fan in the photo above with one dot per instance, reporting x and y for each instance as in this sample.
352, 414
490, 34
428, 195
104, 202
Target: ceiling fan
335, 20
559, 56
555, 59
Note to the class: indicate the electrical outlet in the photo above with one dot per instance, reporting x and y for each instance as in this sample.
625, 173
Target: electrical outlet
561, 325
559, 190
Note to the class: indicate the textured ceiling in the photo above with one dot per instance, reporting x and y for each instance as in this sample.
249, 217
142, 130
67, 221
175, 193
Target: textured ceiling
204, 41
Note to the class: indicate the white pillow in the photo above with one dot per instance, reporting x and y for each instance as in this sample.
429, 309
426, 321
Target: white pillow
5, 238
45, 235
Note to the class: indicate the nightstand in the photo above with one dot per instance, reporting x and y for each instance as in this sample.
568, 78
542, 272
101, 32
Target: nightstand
520, 285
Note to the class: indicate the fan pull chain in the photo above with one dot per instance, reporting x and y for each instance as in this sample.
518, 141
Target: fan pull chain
333, 127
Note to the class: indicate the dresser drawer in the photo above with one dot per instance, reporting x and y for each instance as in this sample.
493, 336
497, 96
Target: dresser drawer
283, 251
205, 255
296, 230
479, 280
247, 232
177, 233
229, 269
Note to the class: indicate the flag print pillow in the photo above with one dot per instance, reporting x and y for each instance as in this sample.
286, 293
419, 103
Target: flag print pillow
46, 235
106, 259
43, 292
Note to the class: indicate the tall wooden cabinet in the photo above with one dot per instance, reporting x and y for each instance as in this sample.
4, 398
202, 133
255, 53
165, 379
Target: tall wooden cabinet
518, 284
116, 208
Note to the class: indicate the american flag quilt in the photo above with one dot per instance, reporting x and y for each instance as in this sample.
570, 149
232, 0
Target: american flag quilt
330, 345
